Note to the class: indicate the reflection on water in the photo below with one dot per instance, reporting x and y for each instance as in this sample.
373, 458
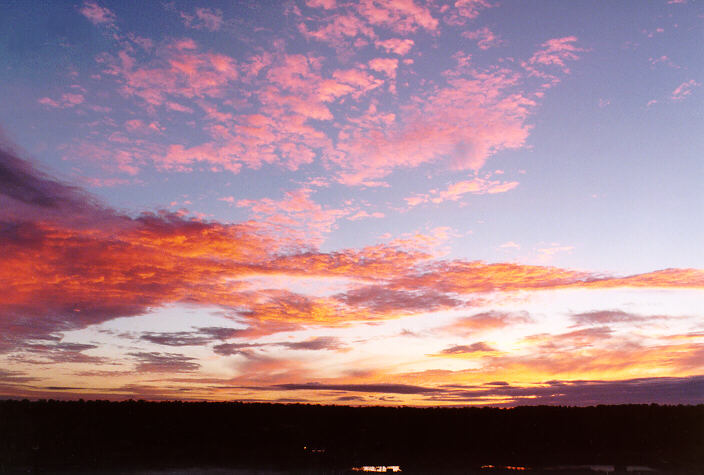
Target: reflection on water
377, 468
488, 468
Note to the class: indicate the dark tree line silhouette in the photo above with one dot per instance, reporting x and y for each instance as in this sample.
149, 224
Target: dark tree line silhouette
88, 435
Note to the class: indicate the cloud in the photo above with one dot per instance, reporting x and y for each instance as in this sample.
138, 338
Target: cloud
398, 46
471, 8
312, 344
67, 101
464, 277
229, 349
484, 321
401, 16
154, 362
363, 214
364, 388
607, 316
184, 338
577, 338
556, 52
479, 347
22, 182
485, 38
96, 14
326, 4
338, 31
318, 343
387, 66
14, 377
683, 90
177, 71
285, 109
384, 300
662, 390
455, 191
360, 20
548, 252
70, 262
204, 19
139, 126
476, 114
58, 352
553, 55
296, 215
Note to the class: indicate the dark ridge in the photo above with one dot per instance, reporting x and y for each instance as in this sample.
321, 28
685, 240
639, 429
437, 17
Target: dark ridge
100, 435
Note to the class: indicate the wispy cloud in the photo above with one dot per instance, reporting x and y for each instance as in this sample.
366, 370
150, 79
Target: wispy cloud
97, 14
684, 90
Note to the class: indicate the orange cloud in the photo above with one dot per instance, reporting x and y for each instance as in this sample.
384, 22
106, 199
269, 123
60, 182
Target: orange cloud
69, 262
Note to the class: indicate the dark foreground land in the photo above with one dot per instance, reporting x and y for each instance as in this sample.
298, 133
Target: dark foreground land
101, 436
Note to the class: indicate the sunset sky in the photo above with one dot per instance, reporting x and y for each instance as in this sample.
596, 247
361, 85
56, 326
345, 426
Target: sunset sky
377, 202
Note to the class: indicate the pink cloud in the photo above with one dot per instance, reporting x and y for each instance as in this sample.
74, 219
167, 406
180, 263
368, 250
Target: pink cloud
339, 30
178, 107
204, 19
662, 59
178, 71
461, 122
363, 214
137, 125
554, 53
117, 154
455, 191
471, 8
96, 14
464, 123
326, 4
296, 216
104, 182
386, 65
485, 38
294, 93
545, 254
66, 101
683, 90
396, 45
403, 16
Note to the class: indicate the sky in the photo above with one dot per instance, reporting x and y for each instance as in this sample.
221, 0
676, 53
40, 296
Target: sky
381, 202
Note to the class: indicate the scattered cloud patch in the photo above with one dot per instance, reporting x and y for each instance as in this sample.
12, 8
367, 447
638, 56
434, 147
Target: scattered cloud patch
97, 14
684, 90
